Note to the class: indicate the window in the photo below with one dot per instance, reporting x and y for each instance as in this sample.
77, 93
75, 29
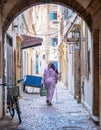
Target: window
54, 42
53, 16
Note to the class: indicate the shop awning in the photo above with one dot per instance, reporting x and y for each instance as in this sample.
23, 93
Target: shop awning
30, 41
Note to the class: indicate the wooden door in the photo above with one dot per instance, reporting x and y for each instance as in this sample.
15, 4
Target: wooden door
9, 60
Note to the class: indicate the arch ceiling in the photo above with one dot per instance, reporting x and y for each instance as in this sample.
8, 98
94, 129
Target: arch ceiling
87, 9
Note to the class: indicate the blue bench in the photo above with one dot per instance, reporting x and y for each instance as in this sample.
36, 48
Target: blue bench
33, 81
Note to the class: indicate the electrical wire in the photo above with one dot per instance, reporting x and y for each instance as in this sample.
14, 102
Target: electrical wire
49, 33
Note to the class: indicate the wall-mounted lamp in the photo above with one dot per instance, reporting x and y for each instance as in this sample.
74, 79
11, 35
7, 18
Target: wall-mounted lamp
75, 38
75, 41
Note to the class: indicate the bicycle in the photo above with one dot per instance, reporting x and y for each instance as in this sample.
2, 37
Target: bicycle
13, 99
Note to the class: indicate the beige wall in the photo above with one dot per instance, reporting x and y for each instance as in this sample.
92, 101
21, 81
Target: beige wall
28, 16
63, 63
44, 27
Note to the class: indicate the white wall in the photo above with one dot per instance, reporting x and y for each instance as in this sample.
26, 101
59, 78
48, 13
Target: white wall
24, 62
70, 73
88, 84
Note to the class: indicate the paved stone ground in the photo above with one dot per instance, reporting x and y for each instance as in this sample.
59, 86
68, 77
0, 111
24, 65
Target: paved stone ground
64, 114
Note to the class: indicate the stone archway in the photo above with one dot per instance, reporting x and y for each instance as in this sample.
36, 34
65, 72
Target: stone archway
89, 10
13, 8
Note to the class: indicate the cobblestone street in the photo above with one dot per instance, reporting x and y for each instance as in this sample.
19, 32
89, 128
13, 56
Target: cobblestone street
64, 114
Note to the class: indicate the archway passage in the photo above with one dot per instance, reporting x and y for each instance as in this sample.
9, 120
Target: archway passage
89, 10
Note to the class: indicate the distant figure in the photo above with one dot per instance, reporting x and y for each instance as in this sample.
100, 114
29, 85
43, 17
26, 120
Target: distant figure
54, 68
50, 78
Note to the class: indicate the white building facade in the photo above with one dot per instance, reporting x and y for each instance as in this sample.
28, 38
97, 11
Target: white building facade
46, 27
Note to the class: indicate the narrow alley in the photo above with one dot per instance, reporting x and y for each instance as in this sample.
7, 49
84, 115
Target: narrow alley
64, 114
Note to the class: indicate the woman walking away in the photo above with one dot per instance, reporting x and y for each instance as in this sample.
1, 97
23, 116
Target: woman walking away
50, 78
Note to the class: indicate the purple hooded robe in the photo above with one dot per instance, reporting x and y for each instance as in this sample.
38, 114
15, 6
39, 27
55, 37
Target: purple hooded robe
50, 78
